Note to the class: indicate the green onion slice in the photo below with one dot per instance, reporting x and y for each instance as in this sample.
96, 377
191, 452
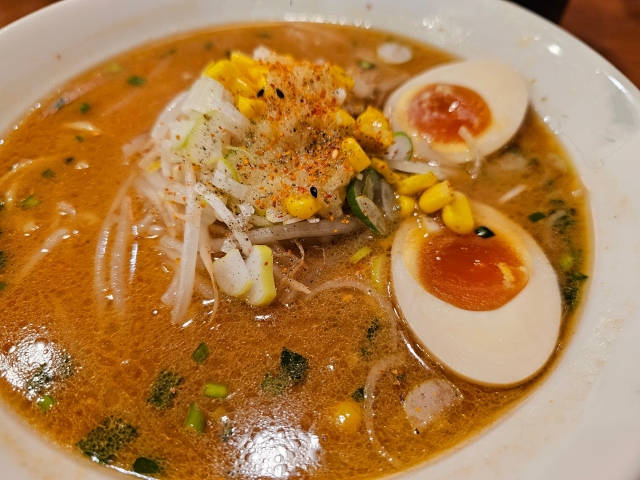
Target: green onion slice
195, 420
201, 353
216, 390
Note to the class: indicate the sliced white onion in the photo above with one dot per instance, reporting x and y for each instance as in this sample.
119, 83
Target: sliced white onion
394, 53
511, 194
235, 122
203, 96
227, 217
137, 145
170, 113
228, 185
415, 167
65, 208
179, 131
361, 89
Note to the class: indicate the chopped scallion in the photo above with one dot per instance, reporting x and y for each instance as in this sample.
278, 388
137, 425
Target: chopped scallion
45, 403
3, 260
216, 390
201, 353
195, 420
566, 262
3, 285
114, 68
578, 275
136, 81
80, 138
29, 202
48, 173
85, 107
366, 65
536, 216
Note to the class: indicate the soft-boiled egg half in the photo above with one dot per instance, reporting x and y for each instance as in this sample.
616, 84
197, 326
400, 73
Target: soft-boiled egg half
460, 110
486, 305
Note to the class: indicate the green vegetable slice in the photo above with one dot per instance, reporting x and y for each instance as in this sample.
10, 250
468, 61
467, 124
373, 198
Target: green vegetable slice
201, 353
365, 210
195, 420
45, 403
216, 390
401, 148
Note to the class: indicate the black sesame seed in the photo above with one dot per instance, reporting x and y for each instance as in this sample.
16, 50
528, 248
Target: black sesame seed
279, 93
260, 92
484, 232
314, 192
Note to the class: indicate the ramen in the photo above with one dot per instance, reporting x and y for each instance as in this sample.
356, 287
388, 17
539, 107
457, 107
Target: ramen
207, 245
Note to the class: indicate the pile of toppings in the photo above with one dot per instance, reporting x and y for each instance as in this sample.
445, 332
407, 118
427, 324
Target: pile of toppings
261, 143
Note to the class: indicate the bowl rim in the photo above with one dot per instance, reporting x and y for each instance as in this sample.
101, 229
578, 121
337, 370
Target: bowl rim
572, 85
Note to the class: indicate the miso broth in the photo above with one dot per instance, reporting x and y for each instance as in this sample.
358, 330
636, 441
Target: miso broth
71, 368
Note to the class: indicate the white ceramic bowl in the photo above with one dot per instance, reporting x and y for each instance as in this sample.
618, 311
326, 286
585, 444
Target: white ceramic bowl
584, 421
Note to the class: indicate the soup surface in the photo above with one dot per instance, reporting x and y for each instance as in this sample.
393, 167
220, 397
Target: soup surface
119, 386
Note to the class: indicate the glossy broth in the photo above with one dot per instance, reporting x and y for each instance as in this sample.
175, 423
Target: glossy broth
98, 365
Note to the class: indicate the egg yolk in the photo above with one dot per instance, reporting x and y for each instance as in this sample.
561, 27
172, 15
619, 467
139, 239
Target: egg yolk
439, 111
470, 272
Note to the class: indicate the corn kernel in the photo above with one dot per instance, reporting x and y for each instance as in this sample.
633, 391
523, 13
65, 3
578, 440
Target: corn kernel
242, 62
407, 206
223, 71
436, 197
344, 120
302, 206
347, 416
240, 86
250, 107
355, 155
372, 130
457, 215
258, 75
383, 169
416, 183
341, 78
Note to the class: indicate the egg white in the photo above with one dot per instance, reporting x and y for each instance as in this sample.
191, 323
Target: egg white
500, 347
497, 83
